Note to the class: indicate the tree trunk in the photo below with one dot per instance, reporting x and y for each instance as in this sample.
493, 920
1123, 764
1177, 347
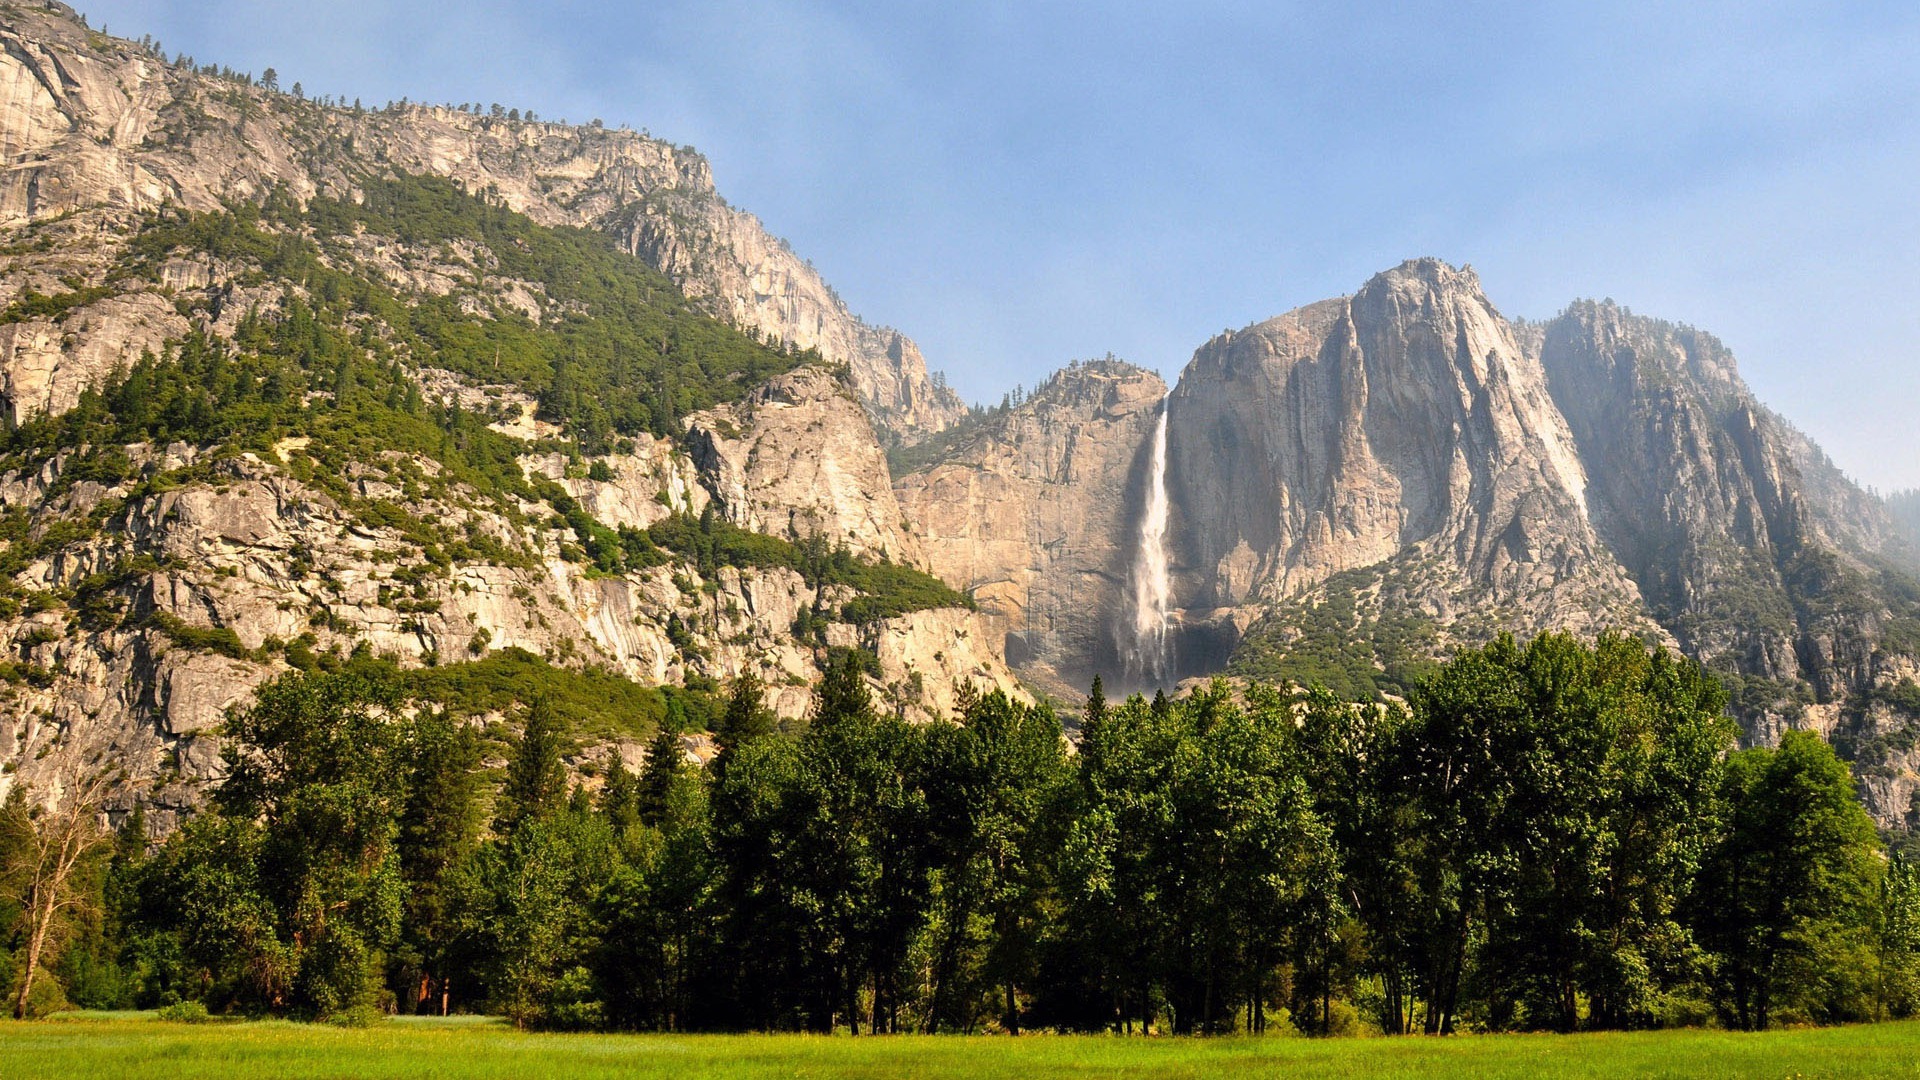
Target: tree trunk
34, 944
853, 1003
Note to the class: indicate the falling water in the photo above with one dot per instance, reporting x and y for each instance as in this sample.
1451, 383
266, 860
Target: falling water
1152, 594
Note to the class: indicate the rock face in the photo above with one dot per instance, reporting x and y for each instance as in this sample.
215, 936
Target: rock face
1454, 475
1034, 515
1696, 491
727, 258
797, 458
44, 365
161, 589
1764, 560
97, 125
258, 559
1404, 421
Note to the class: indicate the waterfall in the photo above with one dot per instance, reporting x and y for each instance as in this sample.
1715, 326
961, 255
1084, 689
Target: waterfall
1152, 593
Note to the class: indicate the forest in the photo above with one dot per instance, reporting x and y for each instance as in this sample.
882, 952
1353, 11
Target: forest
1550, 835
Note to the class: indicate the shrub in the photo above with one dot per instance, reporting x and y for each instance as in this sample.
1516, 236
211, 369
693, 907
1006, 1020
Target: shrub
358, 1016
574, 1004
186, 1012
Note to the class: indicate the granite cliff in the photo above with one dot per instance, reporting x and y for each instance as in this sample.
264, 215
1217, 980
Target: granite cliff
297, 384
1361, 484
100, 128
291, 382
1033, 513
1763, 559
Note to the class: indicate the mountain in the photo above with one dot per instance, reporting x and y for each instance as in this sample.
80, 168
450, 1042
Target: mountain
1767, 563
1027, 512
501, 408
1361, 485
1403, 429
100, 127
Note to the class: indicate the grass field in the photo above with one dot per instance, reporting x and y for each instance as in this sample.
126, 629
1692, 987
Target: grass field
120, 1046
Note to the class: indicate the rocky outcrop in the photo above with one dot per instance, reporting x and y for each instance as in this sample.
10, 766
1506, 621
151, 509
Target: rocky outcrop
796, 459
1694, 490
45, 364
1034, 516
197, 593
639, 489
1765, 561
1448, 474
94, 125
727, 259
1404, 428
1343, 434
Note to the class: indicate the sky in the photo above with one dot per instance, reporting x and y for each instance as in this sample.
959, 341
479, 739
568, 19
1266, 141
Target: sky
1020, 184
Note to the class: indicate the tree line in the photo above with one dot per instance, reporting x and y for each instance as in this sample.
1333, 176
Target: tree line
1553, 835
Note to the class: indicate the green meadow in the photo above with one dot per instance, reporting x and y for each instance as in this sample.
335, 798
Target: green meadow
101, 1047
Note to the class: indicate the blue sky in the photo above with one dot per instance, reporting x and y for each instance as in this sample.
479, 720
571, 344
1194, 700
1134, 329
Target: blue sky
1019, 184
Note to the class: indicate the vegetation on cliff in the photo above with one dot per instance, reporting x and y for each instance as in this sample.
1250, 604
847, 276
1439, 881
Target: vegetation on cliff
321, 370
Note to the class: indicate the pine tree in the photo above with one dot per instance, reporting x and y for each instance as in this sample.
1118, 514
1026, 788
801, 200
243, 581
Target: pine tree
1096, 709
664, 765
536, 783
620, 797
747, 716
439, 828
843, 693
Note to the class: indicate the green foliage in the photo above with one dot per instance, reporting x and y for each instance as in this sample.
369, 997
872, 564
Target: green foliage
938, 447
185, 1012
1904, 696
822, 851
1569, 793
886, 590
623, 351
1546, 836
1348, 640
217, 639
746, 717
320, 763
889, 590
1899, 959
1747, 593
1789, 890
997, 785
34, 305
358, 1016
438, 832
536, 782
1170, 793
586, 702
531, 912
